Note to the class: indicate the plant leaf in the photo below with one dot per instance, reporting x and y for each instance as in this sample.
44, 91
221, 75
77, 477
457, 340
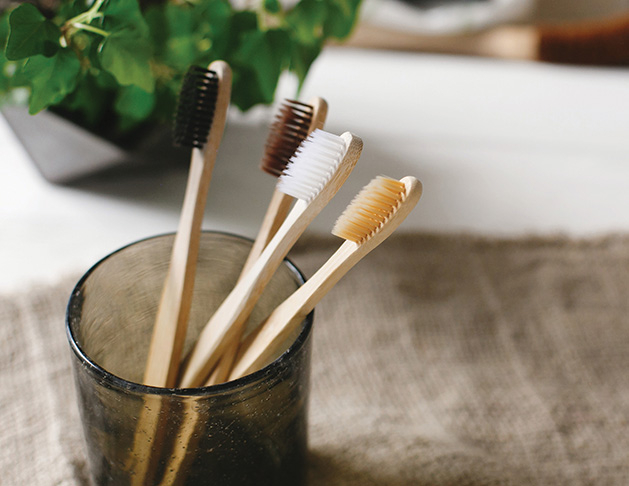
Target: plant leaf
341, 18
134, 103
266, 53
126, 56
51, 78
302, 57
31, 34
306, 20
272, 6
124, 14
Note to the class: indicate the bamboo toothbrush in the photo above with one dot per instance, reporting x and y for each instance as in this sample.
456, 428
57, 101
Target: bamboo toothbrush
199, 124
372, 216
316, 172
294, 122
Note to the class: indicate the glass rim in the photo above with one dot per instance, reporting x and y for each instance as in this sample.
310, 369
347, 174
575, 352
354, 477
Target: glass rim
203, 391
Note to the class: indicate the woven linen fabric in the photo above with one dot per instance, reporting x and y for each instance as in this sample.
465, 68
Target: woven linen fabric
438, 360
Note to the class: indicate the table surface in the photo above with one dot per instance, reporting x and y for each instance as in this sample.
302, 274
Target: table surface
503, 149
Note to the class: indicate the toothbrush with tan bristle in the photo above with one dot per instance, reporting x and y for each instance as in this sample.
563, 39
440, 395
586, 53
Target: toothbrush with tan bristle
199, 124
293, 123
372, 216
314, 175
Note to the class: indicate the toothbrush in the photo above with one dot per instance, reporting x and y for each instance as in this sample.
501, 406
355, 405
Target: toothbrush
294, 122
199, 124
314, 175
372, 216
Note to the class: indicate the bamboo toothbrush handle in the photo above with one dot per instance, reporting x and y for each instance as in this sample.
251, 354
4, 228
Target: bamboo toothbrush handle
226, 324
279, 206
284, 319
228, 319
174, 307
319, 113
290, 313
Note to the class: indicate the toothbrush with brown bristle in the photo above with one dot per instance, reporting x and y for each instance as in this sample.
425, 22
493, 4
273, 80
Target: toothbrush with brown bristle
294, 122
371, 217
199, 124
314, 175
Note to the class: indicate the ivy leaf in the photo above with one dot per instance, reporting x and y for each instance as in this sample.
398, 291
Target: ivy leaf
180, 47
51, 78
4, 77
272, 6
302, 57
306, 20
266, 53
124, 14
31, 34
341, 18
126, 56
134, 103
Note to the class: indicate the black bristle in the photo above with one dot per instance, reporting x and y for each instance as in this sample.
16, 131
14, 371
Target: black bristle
289, 129
195, 110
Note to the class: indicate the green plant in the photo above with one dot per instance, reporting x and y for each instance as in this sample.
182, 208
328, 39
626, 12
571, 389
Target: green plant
117, 64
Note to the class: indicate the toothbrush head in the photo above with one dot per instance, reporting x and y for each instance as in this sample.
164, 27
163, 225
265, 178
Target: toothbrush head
375, 206
289, 129
195, 110
313, 165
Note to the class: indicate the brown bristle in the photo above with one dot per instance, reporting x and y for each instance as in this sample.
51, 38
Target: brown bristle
288, 130
605, 42
370, 209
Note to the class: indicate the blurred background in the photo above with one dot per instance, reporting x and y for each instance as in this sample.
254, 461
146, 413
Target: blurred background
504, 147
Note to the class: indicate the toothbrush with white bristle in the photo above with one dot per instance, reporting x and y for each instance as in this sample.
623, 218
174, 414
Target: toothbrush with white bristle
314, 175
372, 216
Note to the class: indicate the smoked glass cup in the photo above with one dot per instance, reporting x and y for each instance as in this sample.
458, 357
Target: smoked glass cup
250, 431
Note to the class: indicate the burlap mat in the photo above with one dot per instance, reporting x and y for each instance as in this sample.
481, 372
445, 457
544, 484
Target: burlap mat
437, 361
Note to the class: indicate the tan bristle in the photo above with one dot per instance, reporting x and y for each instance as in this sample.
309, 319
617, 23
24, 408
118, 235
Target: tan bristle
370, 209
289, 129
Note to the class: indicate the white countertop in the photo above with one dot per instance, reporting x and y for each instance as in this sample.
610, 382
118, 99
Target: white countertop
502, 148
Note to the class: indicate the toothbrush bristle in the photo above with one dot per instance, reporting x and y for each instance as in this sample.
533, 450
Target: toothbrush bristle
312, 166
288, 130
370, 209
195, 110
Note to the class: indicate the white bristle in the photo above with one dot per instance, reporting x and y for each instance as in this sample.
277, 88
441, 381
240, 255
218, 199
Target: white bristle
312, 166
370, 209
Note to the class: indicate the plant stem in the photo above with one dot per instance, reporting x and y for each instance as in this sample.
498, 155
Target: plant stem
90, 28
88, 15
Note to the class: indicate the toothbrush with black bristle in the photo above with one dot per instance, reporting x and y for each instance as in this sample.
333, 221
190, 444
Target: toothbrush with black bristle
292, 125
372, 216
199, 124
314, 175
